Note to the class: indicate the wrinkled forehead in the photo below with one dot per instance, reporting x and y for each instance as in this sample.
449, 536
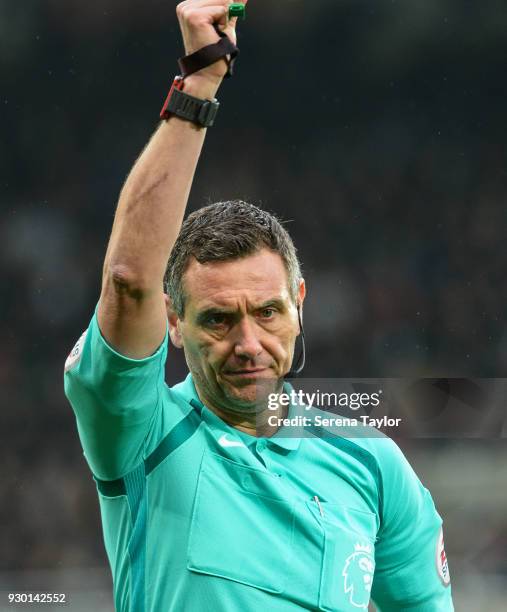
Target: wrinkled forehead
256, 279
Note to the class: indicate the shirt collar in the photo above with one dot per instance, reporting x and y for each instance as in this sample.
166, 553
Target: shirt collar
284, 437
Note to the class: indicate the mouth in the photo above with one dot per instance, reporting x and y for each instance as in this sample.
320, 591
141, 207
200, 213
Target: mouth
245, 373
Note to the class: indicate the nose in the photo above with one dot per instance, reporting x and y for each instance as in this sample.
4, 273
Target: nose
247, 344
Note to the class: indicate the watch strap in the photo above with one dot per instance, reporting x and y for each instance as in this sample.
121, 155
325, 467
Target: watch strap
196, 110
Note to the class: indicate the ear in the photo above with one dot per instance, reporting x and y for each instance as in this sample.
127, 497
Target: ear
300, 299
301, 294
174, 323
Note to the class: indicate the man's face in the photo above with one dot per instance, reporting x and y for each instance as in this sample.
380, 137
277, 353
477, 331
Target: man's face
239, 329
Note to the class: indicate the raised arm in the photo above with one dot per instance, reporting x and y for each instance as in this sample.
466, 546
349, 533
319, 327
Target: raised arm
132, 313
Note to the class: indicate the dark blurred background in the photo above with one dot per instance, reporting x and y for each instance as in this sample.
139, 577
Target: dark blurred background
376, 128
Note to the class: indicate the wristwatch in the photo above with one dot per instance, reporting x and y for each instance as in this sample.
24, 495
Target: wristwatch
201, 112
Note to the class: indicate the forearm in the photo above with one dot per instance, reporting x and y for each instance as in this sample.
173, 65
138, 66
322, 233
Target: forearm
153, 200
132, 312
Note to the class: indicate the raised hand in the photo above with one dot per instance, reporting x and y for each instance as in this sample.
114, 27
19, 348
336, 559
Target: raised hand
198, 21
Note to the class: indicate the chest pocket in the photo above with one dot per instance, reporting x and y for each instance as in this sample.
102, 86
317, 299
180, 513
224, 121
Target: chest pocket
242, 525
348, 562
250, 526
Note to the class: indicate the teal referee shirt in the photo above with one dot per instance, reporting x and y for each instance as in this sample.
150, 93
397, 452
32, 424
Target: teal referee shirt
198, 516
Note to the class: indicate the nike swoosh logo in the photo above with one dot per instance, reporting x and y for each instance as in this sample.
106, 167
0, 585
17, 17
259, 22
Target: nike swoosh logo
224, 441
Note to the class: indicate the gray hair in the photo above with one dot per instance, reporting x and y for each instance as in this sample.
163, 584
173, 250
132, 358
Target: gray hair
225, 231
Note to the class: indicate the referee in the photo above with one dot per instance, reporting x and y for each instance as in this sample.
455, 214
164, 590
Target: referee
205, 505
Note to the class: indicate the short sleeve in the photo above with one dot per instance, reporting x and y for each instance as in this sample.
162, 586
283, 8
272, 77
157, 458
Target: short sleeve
115, 400
411, 571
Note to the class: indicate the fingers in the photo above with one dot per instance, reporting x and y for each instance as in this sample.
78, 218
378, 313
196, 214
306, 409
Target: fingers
189, 5
199, 20
199, 3
198, 12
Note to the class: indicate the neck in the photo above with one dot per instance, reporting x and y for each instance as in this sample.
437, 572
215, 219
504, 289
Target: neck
253, 423
256, 425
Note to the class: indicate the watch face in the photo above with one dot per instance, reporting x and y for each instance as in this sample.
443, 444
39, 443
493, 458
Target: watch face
208, 113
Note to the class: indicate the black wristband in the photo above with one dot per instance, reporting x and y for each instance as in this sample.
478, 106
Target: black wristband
201, 112
210, 54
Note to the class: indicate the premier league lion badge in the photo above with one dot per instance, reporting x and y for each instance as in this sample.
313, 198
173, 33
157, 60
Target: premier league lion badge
358, 575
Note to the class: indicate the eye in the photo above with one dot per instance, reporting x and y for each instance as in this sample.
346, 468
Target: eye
267, 313
216, 319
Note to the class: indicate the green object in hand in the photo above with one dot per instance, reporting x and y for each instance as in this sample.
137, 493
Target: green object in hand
237, 9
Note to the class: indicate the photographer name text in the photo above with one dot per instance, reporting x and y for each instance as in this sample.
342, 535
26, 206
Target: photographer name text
321, 421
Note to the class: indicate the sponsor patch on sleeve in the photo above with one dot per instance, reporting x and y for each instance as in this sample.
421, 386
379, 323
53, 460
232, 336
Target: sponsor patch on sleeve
75, 354
441, 558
